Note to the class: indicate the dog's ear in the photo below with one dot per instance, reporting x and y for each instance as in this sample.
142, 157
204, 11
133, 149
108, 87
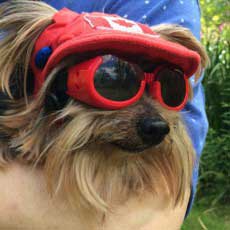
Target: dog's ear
183, 36
21, 22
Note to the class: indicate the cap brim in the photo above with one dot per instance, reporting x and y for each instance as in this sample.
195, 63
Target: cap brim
133, 46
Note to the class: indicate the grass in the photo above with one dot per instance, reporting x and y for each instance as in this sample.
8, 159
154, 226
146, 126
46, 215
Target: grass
203, 218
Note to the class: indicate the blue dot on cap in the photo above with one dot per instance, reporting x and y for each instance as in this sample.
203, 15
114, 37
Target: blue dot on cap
42, 56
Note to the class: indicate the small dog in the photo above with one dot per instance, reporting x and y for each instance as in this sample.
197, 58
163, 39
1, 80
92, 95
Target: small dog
96, 158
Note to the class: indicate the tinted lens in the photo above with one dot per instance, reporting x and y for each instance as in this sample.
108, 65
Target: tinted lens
117, 80
173, 86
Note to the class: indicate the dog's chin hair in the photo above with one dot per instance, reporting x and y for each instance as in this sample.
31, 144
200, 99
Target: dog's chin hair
98, 176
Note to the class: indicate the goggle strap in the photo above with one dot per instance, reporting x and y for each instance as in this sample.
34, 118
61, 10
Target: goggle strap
149, 77
154, 89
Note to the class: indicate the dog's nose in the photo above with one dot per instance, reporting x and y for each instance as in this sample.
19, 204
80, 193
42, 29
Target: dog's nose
152, 130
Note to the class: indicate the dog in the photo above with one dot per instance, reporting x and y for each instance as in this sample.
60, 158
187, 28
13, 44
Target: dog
96, 158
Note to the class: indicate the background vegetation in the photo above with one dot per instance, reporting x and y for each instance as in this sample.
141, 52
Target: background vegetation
215, 161
212, 206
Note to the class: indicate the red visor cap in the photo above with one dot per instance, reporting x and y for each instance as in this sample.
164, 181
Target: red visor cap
95, 34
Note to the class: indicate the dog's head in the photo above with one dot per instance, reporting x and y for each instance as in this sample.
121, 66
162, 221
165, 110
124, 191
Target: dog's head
93, 156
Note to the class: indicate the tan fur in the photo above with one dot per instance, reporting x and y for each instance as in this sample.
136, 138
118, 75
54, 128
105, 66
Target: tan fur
73, 145
183, 36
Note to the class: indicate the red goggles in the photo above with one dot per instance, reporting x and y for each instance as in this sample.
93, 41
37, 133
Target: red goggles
109, 82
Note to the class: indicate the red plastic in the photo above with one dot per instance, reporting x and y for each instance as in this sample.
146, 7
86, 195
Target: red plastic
155, 90
81, 87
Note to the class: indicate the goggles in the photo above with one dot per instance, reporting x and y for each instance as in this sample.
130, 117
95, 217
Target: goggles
109, 82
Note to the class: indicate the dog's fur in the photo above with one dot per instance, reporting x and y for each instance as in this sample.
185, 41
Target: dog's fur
86, 152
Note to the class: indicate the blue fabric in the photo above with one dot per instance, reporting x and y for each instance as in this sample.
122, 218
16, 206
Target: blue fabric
152, 12
42, 57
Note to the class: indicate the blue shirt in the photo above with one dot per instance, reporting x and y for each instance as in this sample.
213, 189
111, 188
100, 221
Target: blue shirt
152, 12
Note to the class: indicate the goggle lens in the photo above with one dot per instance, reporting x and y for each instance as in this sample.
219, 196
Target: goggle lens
173, 86
117, 79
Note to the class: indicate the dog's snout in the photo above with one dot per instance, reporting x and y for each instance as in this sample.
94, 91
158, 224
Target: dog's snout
152, 130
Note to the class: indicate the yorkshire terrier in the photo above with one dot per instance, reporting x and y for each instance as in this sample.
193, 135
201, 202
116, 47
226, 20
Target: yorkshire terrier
98, 146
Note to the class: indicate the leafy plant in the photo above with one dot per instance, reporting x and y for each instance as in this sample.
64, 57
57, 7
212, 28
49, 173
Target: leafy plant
214, 186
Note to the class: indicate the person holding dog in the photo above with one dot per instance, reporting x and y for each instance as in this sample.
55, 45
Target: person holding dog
24, 200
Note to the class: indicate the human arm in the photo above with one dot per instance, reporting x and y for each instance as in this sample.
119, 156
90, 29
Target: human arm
25, 204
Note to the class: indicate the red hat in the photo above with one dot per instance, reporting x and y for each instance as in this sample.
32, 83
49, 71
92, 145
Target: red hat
88, 35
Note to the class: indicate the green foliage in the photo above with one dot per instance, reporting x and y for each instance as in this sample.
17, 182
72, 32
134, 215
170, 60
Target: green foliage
203, 218
214, 13
217, 84
214, 186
